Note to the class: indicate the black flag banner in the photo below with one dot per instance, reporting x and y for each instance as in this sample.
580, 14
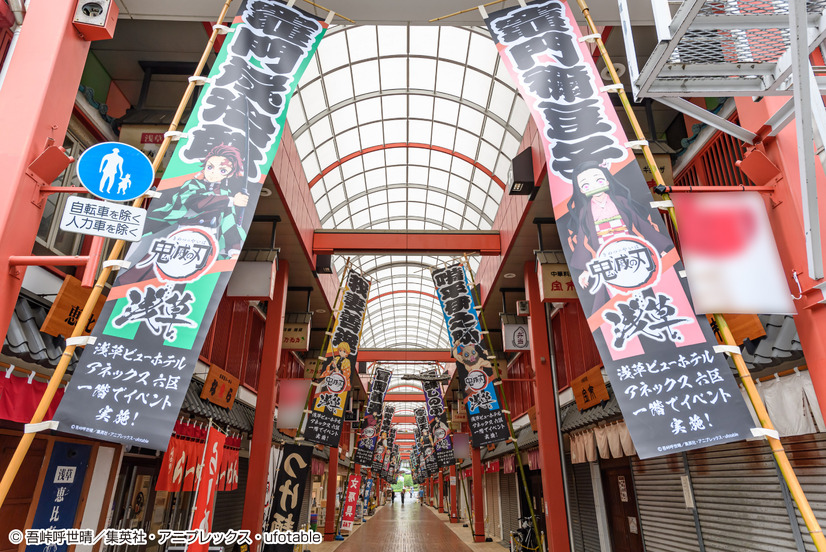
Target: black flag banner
129, 386
327, 416
437, 420
287, 495
388, 453
485, 417
372, 417
384, 434
676, 393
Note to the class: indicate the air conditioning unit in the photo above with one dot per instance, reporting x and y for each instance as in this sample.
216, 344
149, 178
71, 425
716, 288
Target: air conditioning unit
96, 19
522, 308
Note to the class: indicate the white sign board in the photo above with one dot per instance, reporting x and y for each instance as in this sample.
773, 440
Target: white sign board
515, 337
101, 218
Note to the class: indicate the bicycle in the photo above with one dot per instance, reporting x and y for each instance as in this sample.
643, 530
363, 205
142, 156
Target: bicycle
524, 538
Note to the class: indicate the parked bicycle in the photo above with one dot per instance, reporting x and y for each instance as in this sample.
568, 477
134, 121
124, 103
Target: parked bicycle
524, 539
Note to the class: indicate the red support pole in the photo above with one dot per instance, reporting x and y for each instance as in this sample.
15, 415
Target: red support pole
254, 495
478, 498
556, 518
36, 102
454, 497
332, 488
441, 479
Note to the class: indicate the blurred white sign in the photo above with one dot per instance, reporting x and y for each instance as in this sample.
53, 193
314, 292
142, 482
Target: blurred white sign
730, 255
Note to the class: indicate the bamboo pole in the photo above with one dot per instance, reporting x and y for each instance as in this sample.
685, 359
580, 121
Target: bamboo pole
777, 447
504, 399
60, 371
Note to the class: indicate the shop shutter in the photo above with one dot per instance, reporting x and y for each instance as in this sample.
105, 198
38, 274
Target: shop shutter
667, 525
305, 501
807, 454
229, 506
493, 526
573, 506
739, 498
587, 508
510, 503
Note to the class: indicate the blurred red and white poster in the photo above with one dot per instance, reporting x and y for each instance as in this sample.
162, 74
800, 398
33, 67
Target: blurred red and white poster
730, 255
292, 398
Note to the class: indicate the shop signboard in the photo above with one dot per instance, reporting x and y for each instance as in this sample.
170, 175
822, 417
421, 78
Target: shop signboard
129, 386
93, 217
65, 311
676, 393
220, 387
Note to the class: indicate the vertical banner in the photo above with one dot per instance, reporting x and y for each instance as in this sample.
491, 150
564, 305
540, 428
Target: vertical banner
350, 500
129, 386
327, 416
437, 422
388, 453
61, 491
381, 446
372, 417
675, 392
207, 487
290, 484
368, 488
485, 416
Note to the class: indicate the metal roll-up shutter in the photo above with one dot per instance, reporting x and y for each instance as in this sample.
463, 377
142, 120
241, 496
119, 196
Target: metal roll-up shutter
587, 508
229, 505
667, 525
739, 499
510, 503
493, 525
807, 454
305, 501
573, 506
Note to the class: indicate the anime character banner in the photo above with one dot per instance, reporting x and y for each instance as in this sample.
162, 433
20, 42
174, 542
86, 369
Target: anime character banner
384, 434
372, 417
437, 423
130, 384
290, 486
485, 417
675, 392
388, 453
326, 419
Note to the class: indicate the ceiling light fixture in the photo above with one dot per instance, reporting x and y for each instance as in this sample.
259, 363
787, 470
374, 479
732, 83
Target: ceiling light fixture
509, 275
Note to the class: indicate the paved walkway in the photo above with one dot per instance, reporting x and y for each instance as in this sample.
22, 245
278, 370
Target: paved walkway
408, 528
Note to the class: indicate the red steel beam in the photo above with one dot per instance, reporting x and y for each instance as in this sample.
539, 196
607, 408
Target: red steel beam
383, 242
397, 355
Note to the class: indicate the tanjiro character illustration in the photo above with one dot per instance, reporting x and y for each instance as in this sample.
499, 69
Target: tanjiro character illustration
215, 198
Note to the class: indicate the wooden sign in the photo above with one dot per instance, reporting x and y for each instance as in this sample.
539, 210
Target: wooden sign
532, 418
220, 387
742, 326
67, 307
663, 162
310, 367
296, 337
555, 283
589, 389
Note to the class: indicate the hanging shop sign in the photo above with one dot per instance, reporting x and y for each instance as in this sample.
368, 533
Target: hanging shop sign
589, 389
437, 422
384, 436
326, 417
130, 385
350, 501
220, 387
485, 416
65, 311
290, 485
730, 254
515, 338
207, 486
675, 392
61, 491
372, 417
93, 217
555, 283
115, 171
148, 139
296, 337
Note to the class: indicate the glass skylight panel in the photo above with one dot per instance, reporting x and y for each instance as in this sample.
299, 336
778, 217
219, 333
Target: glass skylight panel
391, 40
424, 41
476, 88
482, 53
343, 118
363, 43
368, 110
338, 85
393, 73
365, 77
422, 74
335, 51
453, 43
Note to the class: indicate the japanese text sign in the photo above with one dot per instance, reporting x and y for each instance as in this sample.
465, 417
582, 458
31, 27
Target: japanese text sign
675, 393
555, 283
66, 309
372, 417
220, 387
589, 389
485, 416
326, 417
207, 486
350, 500
61, 491
100, 218
290, 485
295, 337
130, 386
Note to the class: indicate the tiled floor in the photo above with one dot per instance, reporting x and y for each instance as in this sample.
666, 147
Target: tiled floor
409, 528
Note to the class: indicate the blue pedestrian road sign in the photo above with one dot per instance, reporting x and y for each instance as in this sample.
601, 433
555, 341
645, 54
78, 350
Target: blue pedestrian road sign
115, 171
